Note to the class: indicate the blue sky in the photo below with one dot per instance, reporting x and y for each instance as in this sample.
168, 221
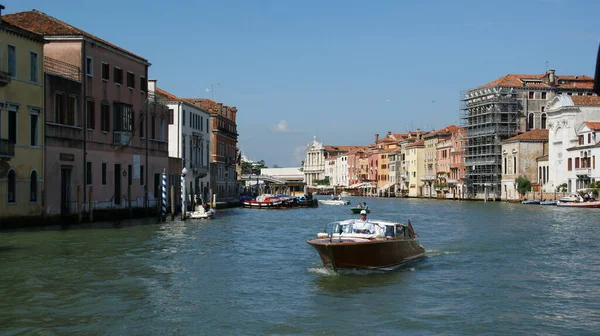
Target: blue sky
338, 70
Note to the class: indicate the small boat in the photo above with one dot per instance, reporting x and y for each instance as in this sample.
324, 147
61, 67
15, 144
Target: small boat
514, 201
336, 201
264, 201
200, 213
358, 210
548, 202
595, 204
373, 244
571, 198
530, 202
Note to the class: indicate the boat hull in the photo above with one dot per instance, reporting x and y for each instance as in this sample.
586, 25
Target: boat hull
579, 204
358, 210
334, 202
375, 254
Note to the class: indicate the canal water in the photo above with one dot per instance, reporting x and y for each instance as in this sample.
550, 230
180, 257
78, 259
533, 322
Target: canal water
491, 269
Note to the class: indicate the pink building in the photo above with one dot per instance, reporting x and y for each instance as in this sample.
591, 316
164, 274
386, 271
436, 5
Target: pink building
125, 144
456, 178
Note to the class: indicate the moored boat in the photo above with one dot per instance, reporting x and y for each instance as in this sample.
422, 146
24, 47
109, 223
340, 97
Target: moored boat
358, 210
200, 213
595, 204
264, 201
372, 244
530, 202
334, 202
548, 202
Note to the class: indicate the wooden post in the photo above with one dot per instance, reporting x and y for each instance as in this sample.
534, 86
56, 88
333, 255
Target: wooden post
214, 201
79, 210
129, 200
91, 205
172, 202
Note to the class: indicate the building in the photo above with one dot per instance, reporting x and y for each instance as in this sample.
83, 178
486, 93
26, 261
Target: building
223, 175
189, 143
581, 158
120, 157
415, 167
520, 156
293, 179
430, 176
21, 121
499, 110
565, 115
456, 179
314, 165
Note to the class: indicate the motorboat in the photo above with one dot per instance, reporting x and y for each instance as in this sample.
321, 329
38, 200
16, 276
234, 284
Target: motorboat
548, 202
371, 244
530, 202
335, 200
571, 198
200, 213
595, 204
356, 210
264, 201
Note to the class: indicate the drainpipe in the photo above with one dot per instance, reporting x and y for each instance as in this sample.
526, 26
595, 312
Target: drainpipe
146, 141
84, 112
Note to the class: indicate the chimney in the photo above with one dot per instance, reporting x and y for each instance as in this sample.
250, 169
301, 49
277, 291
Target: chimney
376, 137
418, 133
389, 133
551, 77
1, 9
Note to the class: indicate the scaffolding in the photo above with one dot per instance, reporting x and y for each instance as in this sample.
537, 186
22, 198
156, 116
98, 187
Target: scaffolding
489, 115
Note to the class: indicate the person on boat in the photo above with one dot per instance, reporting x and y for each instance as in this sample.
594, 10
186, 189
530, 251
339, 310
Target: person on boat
365, 205
361, 226
359, 205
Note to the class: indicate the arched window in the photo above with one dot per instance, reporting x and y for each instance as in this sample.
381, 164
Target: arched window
530, 121
543, 120
12, 197
33, 187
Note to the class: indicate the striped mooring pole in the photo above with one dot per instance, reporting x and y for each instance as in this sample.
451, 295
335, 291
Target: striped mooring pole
182, 196
164, 194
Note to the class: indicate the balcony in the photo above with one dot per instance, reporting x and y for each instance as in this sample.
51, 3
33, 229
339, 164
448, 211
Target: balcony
199, 171
586, 172
4, 78
63, 131
7, 149
121, 138
428, 178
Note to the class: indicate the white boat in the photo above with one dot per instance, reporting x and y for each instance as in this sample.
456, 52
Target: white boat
335, 202
200, 213
571, 198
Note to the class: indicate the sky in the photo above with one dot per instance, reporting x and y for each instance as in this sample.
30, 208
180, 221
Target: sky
340, 71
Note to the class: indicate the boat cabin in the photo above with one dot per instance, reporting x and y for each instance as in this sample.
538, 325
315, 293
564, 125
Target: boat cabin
370, 229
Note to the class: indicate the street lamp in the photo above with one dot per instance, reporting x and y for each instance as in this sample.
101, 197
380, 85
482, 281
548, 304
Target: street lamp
183, 207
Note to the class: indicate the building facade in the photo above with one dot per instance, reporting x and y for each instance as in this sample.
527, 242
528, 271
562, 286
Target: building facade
581, 158
415, 167
21, 122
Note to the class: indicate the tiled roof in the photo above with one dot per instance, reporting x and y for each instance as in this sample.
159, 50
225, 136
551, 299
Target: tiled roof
521, 80
593, 125
418, 143
586, 100
329, 148
46, 25
533, 135
209, 105
444, 130
167, 95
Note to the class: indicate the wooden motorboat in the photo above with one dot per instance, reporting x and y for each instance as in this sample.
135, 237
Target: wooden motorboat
371, 244
334, 202
264, 201
358, 210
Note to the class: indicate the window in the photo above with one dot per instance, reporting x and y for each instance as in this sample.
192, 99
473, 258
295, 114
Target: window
12, 124
569, 162
89, 67
123, 118
71, 111
105, 118
153, 128
130, 80
33, 187
58, 108
505, 166
105, 71
206, 125
183, 118
531, 94
33, 128
514, 165
12, 187
33, 65
544, 120
589, 138
118, 75
544, 95
12, 61
580, 139
576, 163
91, 114
171, 116
88, 173
141, 175
191, 121
201, 122
143, 84
156, 184
104, 173
530, 121
162, 128
129, 174
142, 126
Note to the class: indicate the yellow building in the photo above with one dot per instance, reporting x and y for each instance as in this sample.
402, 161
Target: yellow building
21, 123
414, 161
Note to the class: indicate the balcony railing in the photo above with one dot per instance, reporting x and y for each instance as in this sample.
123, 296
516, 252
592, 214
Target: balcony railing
121, 138
56, 67
7, 149
4, 78
63, 131
583, 171
200, 171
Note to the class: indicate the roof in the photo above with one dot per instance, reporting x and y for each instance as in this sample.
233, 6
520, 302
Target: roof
541, 81
23, 32
418, 143
586, 100
40, 23
444, 130
209, 105
329, 148
593, 125
533, 135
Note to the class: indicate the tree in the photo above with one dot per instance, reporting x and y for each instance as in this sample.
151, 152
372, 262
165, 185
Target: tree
523, 185
302, 166
561, 188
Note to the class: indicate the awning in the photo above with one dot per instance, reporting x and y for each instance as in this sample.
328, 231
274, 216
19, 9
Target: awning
387, 186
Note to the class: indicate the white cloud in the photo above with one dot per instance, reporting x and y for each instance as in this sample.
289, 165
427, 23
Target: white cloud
281, 127
300, 154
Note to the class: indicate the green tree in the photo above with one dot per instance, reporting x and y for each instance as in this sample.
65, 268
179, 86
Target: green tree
561, 188
523, 185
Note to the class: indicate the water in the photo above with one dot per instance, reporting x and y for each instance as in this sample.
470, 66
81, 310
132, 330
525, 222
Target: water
491, 269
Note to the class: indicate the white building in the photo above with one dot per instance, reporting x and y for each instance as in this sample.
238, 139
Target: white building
189, 140
581, 159
314, 165
565, 115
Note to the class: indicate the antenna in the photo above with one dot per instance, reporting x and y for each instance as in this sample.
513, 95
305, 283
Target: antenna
546, 66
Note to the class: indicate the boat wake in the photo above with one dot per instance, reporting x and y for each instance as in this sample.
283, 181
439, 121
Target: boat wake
434, 253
